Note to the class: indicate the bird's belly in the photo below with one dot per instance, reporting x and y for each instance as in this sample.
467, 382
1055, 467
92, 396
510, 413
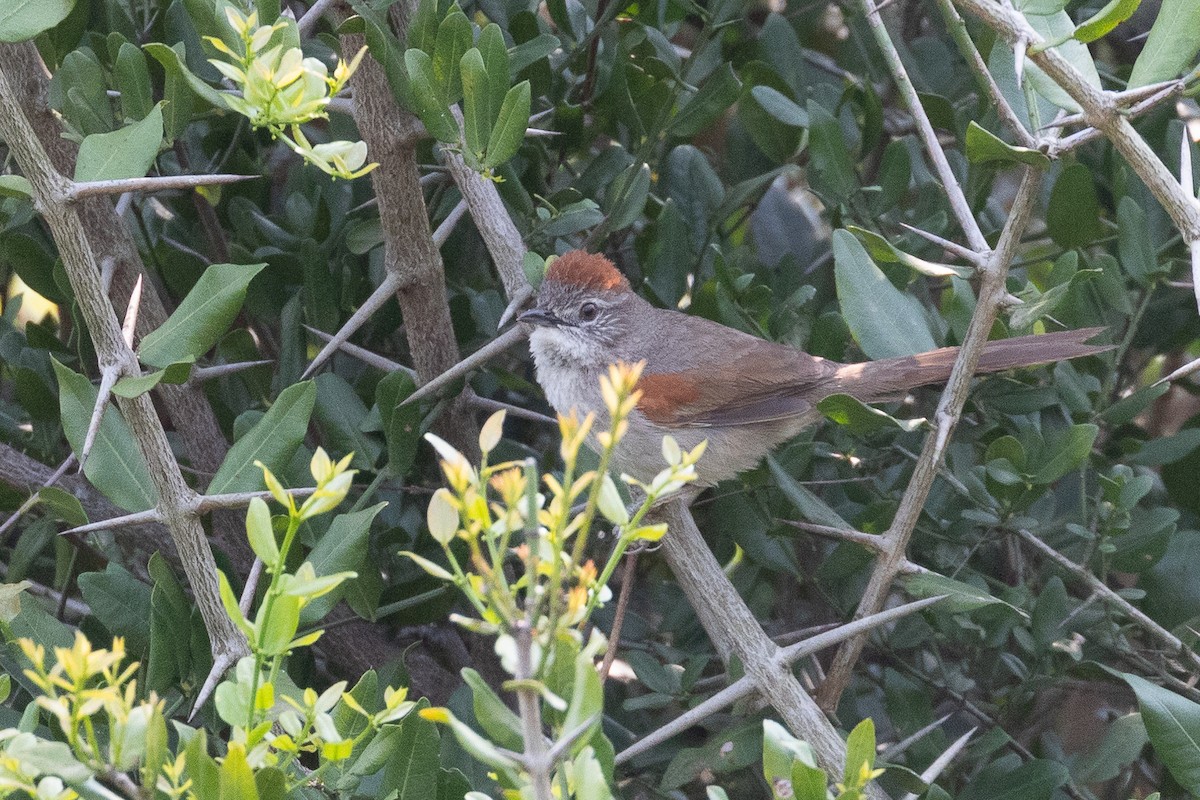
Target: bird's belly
731, 450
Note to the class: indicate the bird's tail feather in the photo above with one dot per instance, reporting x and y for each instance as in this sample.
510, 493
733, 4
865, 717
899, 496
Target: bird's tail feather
891, 377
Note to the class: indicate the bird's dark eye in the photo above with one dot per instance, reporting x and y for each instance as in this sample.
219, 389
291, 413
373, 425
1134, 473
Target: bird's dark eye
588, 311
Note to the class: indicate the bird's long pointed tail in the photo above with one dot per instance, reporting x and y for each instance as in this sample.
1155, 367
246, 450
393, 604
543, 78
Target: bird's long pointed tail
891, 377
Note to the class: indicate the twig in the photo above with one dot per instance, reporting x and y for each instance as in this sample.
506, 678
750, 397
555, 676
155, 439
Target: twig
310, 18
1102, 589
1100, 111
251, 587
748, 685
983, 75
735, 632
32, 500
933, 149
470, 363
873, 542
150, 184
614, 637
950, 406
364, 355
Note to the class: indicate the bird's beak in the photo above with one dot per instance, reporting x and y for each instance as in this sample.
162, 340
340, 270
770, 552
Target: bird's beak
538, 316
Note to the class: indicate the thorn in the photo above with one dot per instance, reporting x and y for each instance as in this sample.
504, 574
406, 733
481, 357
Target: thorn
942, 761
373, 303
1019, 61
251, 587
543, 132
899, 747
514, 306
123, 521
33, 498
962, 252
447, 227
1196, 270
107, 379
1185, 164
150, 184
362, 354
220, 665
131, 312
468, 364
221, 370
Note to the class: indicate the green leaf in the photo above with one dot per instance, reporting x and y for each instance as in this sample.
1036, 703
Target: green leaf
10, 600
508, 133
1034, 780
454, 38
477, 103
1138, 256
1173, 724
202, 318
811, 507
781, 752
412, 769
777, 141
422, 31
342, 548
25, 19
278, 629
401, 424
860, 418
273, 440
65, 505
498, 721
261, 532
120, 602
495, 64
133, 79
984, 146
424, 96
1104, 20
341, 415
1063, 452
1173, 42
115, 466
625, 198
860, 752
961, 597
780, 106
883, 250
125, 153
1073, 213
696, 189
716, 96
830, 167
15, 186
883, 320
236, 779
174, 62
530, 52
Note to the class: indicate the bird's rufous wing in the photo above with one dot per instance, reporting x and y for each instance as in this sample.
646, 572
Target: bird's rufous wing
754, 381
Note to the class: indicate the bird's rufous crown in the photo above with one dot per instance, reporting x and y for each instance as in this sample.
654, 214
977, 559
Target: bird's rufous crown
586, 270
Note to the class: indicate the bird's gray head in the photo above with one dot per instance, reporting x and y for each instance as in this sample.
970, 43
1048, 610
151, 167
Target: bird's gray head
582, 311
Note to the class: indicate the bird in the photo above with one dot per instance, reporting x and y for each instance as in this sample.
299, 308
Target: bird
704, 381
